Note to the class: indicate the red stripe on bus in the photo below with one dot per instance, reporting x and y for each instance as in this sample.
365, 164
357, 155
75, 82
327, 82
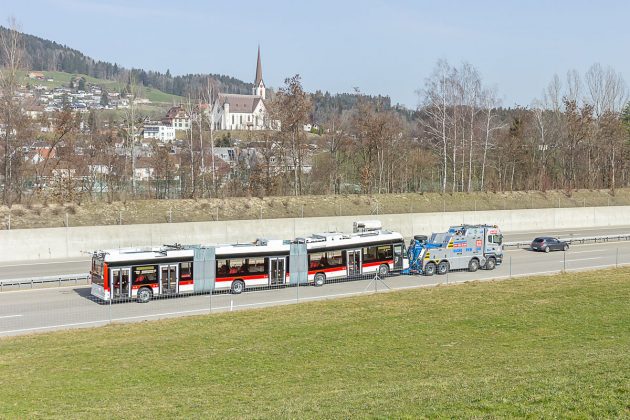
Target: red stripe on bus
326, 270
372, 264
245, 278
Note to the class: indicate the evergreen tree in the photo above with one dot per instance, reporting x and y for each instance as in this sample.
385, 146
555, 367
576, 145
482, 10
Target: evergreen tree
104, 98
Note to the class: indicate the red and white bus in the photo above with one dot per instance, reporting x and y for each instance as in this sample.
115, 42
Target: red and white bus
142, 273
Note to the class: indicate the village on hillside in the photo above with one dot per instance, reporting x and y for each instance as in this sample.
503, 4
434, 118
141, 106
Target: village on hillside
153, 149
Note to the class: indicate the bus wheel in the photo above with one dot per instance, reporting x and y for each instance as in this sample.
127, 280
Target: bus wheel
383, 270
429, 269
442, 267
473, 265
491, 263
319, 280
238, 287
144, 294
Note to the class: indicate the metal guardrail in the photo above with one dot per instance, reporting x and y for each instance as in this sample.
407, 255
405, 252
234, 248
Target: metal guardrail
572, 240
31, 283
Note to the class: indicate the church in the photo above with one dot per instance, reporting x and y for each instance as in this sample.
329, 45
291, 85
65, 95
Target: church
242, 112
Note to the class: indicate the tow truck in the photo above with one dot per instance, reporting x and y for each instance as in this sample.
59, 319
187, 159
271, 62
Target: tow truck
469, 247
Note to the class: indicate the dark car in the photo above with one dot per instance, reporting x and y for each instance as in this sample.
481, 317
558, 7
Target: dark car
547, 243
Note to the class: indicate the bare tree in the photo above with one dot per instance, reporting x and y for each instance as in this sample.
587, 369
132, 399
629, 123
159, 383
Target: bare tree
292, 108
10, 109
607, 90
437, 102
489, 104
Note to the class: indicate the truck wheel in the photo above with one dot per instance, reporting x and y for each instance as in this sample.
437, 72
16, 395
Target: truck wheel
473, 265
429, 269
491, 263
238, 287
144, 295
442, 267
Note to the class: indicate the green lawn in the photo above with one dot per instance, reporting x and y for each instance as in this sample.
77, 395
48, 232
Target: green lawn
548, 346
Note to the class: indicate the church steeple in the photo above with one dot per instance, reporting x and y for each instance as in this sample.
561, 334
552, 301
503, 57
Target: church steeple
258, 70
259, 85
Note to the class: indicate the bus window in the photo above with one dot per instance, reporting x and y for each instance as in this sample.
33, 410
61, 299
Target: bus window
335, 258
377, 253
185, 271
97, 271
369, 254
384, 252
146, 274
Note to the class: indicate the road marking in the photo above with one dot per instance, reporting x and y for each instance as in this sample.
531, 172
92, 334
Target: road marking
590, 258
10, 316
584, 252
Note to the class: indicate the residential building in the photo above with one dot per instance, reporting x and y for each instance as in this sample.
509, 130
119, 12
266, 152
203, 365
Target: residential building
178, 118
159, 131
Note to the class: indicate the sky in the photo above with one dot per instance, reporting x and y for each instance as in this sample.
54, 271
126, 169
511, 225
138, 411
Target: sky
377, 46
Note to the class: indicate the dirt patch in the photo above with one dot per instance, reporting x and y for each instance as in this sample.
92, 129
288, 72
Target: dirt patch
240, 208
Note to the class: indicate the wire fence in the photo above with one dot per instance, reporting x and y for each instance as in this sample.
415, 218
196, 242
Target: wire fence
75, 306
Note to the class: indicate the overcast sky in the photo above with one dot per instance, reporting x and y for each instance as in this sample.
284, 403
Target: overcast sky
386, 47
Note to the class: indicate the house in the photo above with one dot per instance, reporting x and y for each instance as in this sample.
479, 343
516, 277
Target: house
226, 154
178, 118
242, 112
144, 170
159, 131
41, 153
34, 111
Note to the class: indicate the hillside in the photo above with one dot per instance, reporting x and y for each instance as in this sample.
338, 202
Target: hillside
61, 79
62, 61
45, 55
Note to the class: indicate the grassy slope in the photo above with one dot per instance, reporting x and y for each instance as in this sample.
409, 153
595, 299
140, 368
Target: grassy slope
550, 346
63, 79
157, 211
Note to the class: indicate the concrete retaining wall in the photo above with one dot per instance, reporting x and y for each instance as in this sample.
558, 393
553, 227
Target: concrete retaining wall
33, 244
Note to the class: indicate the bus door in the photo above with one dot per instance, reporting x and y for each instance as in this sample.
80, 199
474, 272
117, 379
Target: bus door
120, 282
277, 271
353, 261
169, 280
398, 256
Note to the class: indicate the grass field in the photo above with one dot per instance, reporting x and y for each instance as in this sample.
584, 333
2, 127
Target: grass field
99, 212
538, 347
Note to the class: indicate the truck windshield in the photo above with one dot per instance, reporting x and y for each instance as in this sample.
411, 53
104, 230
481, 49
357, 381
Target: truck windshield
495, 239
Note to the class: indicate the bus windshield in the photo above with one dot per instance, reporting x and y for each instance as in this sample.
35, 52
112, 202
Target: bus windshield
97, 270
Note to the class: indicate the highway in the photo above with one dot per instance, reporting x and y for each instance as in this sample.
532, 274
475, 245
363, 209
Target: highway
40, 310
53, 267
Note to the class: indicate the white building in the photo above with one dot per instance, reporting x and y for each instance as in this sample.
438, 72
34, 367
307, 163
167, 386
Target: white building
242, 112
177, 118
161, 132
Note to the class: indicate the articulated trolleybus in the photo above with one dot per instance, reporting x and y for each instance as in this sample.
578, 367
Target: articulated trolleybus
143, 273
